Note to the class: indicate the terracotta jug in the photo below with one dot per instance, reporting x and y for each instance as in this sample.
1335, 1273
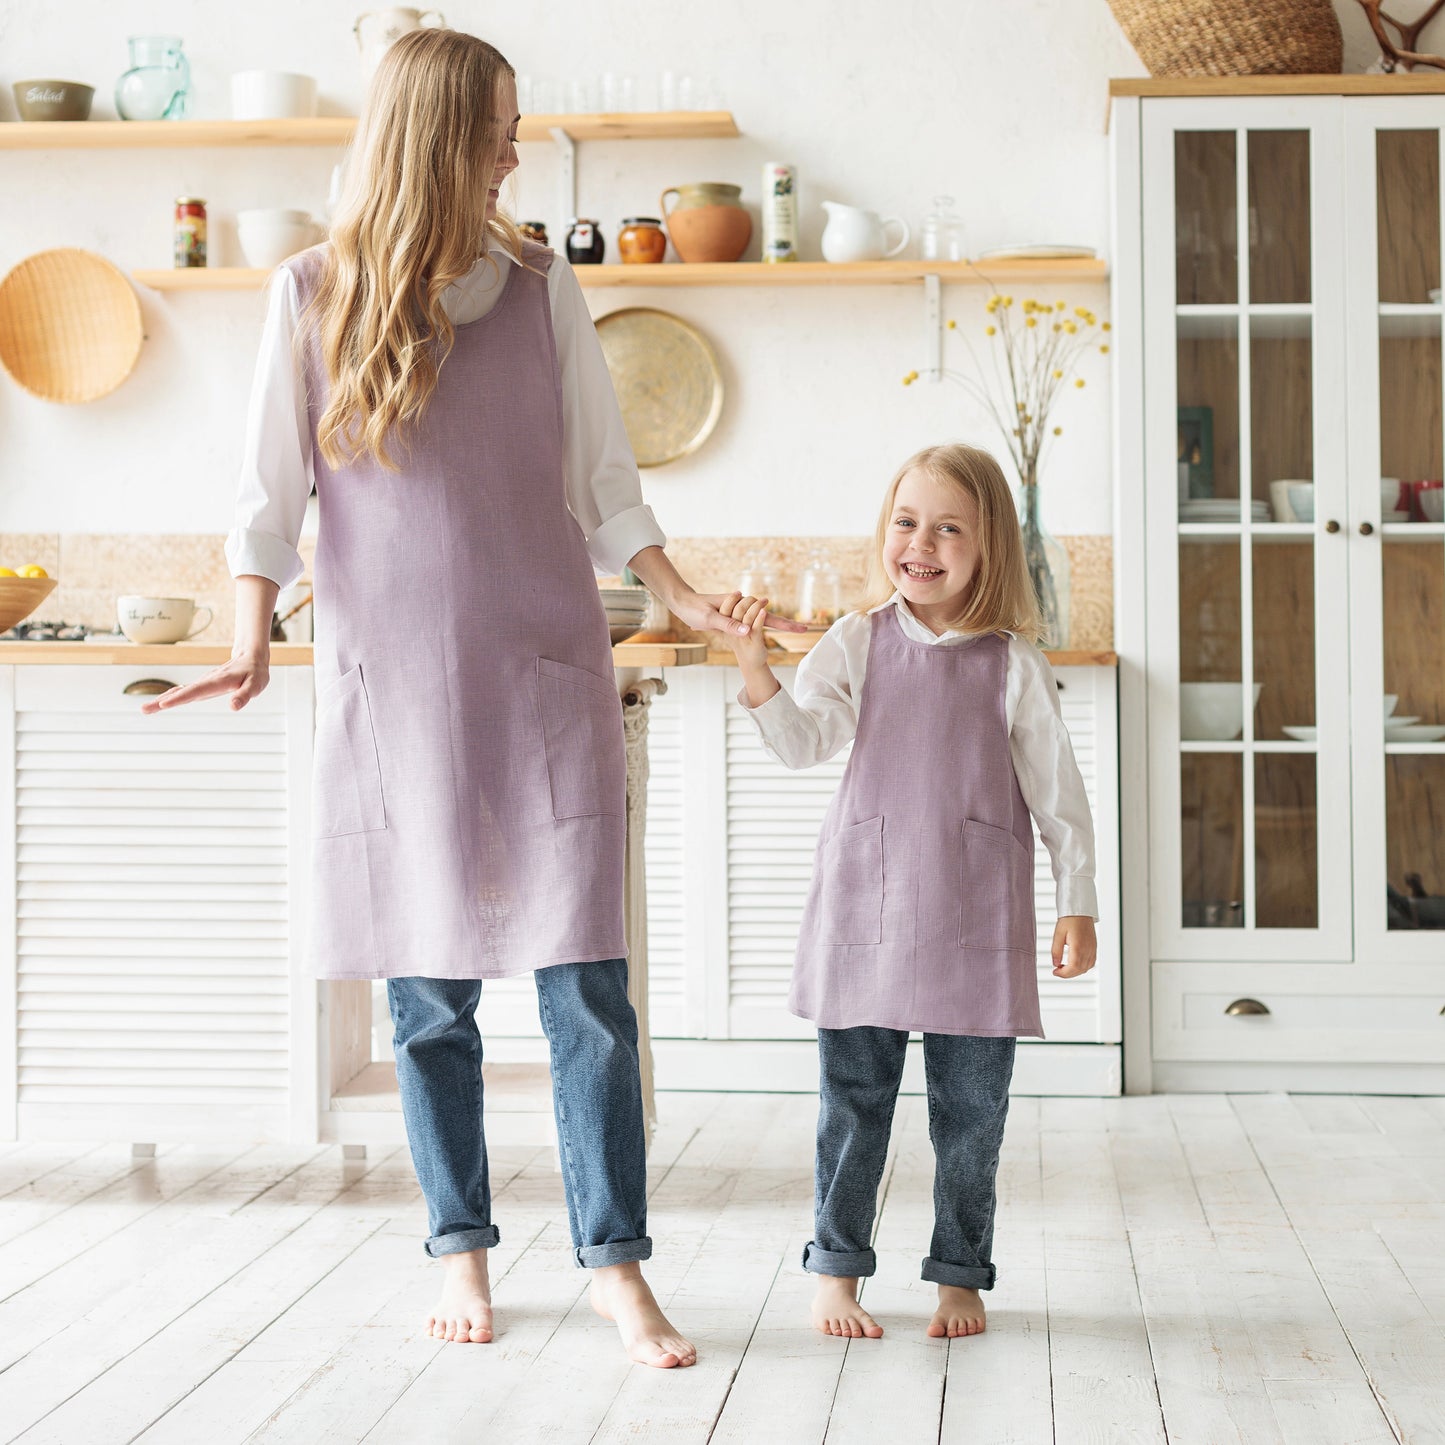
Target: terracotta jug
708, 222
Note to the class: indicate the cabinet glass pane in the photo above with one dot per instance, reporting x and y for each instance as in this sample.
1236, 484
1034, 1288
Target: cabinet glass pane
1211, 789
1286, 851
1415, 840
1281, 416
1206, 211
1279, 215
1407, 217
1210, 656
1410, 429
1207, 358
1284, 637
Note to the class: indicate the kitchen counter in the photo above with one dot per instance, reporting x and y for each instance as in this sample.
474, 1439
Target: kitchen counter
777, 657
283, 654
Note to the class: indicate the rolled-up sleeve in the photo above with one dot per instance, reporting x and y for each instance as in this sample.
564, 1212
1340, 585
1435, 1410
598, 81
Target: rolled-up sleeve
276, 469
604, 491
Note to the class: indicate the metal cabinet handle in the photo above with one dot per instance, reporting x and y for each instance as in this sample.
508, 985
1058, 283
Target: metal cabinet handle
1245, 1006
147, 687
1366, 529
1332, 525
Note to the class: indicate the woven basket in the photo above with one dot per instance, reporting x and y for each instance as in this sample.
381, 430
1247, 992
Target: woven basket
70, 325
1233, 37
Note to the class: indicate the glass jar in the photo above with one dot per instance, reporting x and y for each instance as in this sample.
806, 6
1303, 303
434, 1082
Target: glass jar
942, 236
158, 81
585, 246
641, 241
820, 591
759, 578
190, 232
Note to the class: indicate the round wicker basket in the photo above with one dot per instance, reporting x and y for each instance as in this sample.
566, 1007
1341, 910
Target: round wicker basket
1233, 37
70, 325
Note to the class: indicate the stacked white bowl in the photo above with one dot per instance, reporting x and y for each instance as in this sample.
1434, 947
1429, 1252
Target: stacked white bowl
271, 234
625, 607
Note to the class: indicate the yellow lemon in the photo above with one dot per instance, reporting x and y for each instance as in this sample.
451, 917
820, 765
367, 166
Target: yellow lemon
33, 570
8, 572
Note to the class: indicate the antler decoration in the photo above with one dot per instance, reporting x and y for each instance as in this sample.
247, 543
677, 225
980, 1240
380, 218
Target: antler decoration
1402, 52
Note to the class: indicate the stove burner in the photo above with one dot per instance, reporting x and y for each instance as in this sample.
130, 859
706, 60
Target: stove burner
33, 630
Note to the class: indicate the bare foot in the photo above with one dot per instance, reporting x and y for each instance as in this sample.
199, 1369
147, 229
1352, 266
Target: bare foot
960, 1312
836, 1310
463, 1314
620, 1294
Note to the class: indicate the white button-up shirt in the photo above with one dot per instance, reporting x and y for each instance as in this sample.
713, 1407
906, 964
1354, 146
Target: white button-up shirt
821, 717
604, 492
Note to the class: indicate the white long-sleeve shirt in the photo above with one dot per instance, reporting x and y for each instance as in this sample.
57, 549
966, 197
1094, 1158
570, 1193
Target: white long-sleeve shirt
604, 492
821, 717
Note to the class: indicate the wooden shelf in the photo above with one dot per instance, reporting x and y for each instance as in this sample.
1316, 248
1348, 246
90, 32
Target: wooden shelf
738, 273
1415, 83
336, 130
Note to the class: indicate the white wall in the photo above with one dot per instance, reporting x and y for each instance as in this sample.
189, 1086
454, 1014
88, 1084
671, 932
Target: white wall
885, 105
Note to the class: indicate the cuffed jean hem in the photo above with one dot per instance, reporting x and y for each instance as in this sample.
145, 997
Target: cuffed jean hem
463, 1240
961, 1276
857, 1264
622, 1251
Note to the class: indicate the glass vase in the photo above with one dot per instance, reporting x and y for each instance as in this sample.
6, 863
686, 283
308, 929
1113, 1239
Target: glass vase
156, 85
1049, 569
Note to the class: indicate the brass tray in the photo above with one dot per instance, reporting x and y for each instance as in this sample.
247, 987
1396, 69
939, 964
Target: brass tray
668, 382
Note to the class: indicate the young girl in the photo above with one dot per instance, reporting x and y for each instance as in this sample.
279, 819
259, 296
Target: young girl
920, 916
440, 381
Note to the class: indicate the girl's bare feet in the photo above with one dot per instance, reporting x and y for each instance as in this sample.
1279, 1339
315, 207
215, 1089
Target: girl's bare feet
836, 1310
620, 1294
960, 1312
463, 1314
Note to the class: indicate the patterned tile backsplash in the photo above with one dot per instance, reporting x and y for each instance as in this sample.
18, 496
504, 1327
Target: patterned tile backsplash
95, 568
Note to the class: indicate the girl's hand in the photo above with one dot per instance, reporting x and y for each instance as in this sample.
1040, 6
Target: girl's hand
1076, 933
713, 612
751, 651
245, 676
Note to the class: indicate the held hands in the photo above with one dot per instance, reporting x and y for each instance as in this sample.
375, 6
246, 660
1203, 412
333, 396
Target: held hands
717, 612
245, 676
750, 648
1075, 933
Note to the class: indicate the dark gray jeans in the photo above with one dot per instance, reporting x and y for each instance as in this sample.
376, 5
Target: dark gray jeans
968, 1078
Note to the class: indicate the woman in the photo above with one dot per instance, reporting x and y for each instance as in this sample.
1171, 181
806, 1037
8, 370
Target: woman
439, 379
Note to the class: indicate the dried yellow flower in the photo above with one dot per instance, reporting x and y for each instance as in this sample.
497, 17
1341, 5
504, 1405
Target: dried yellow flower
1058, 376
1079, 382
1058, 431
1032, 321
990, 330
952, 325
1103, 348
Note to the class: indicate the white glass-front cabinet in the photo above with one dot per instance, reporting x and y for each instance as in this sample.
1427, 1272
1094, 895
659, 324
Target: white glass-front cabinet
1289, 571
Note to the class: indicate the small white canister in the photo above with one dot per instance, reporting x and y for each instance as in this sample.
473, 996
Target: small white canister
780, 212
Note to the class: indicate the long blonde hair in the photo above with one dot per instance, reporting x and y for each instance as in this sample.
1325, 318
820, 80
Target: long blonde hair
410, 221
1001, 598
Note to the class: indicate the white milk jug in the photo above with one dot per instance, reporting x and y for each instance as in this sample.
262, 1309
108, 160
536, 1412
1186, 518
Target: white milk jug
857, 235
375, 30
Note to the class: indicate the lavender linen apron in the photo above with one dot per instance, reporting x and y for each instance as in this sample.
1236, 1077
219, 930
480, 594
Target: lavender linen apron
921, 910
469, 776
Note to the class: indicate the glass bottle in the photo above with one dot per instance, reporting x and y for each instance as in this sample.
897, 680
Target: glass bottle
820, 591
942, 237
158, 81
1049, 569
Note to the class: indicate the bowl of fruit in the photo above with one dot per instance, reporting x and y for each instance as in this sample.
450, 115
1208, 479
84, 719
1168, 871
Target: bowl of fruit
22, 590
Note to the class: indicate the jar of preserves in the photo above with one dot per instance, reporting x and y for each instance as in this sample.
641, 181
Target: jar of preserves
190, 232
642, 241
585, 246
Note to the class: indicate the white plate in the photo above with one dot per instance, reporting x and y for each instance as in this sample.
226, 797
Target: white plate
1300, 734
1395, 514
1420, 733
1056, 252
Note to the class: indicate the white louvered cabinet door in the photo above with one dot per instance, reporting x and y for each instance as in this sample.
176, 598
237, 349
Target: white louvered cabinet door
152, 908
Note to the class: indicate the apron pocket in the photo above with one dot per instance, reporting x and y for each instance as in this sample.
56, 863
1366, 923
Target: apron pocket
852, 885
998, 889
582, 733
346, 783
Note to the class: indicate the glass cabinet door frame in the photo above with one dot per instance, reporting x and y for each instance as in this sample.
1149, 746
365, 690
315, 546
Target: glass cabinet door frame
1330, 940
1364, 119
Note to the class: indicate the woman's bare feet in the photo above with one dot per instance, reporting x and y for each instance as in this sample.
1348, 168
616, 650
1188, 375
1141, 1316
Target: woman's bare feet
960, 1312
463, 1314
620, 1294
836, 1310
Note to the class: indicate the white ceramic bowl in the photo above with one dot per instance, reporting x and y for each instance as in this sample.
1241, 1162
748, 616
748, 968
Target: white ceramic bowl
269, 235
1212, 711
1392, 701
272, 95
1302, 501
1432, 503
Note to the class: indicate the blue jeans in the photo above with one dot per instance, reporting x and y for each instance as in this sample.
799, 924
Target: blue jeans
596, 1093
968, 1078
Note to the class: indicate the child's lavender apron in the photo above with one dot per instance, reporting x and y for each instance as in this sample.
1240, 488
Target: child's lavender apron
921, 911
469, 785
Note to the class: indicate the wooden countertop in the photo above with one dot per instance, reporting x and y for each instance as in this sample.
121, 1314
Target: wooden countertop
283, 654
778, 658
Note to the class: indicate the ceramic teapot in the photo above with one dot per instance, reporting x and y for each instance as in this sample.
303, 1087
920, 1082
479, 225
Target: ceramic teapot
857, 235
375, 30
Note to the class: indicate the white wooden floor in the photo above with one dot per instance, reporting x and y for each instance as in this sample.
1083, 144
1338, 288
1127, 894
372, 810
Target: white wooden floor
1207, 1269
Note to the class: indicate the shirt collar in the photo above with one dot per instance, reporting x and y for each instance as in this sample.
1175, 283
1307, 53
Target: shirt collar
918, 629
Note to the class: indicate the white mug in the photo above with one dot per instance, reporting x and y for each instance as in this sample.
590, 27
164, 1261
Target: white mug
159, 619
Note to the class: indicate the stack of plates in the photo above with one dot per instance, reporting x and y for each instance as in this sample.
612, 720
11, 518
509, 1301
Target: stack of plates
1220, 509
626, 607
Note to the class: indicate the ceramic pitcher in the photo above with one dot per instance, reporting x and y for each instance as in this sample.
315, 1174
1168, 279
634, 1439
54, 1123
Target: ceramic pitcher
375, 30
857, 235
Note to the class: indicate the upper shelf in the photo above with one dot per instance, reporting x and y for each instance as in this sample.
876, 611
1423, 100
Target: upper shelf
1414, 83
734, 273
335, 130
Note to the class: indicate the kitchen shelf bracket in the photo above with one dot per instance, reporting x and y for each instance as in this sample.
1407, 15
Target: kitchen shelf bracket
933, 328
567, 154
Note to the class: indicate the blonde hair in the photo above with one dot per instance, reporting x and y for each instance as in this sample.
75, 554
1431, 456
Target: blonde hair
410, 221
1001, 598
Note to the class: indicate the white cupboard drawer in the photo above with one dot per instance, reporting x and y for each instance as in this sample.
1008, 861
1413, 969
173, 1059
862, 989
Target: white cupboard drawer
90, 687
1317, 1013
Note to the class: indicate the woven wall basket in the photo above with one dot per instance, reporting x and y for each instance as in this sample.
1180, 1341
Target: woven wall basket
1233, 37
70, 325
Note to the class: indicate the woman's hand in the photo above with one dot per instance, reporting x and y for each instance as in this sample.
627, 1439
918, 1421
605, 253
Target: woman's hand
713, 612
1075, 932
750, 648
245, 676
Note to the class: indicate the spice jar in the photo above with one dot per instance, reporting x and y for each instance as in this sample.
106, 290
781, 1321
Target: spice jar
534, 231
642, 241
585, 246
190, 232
